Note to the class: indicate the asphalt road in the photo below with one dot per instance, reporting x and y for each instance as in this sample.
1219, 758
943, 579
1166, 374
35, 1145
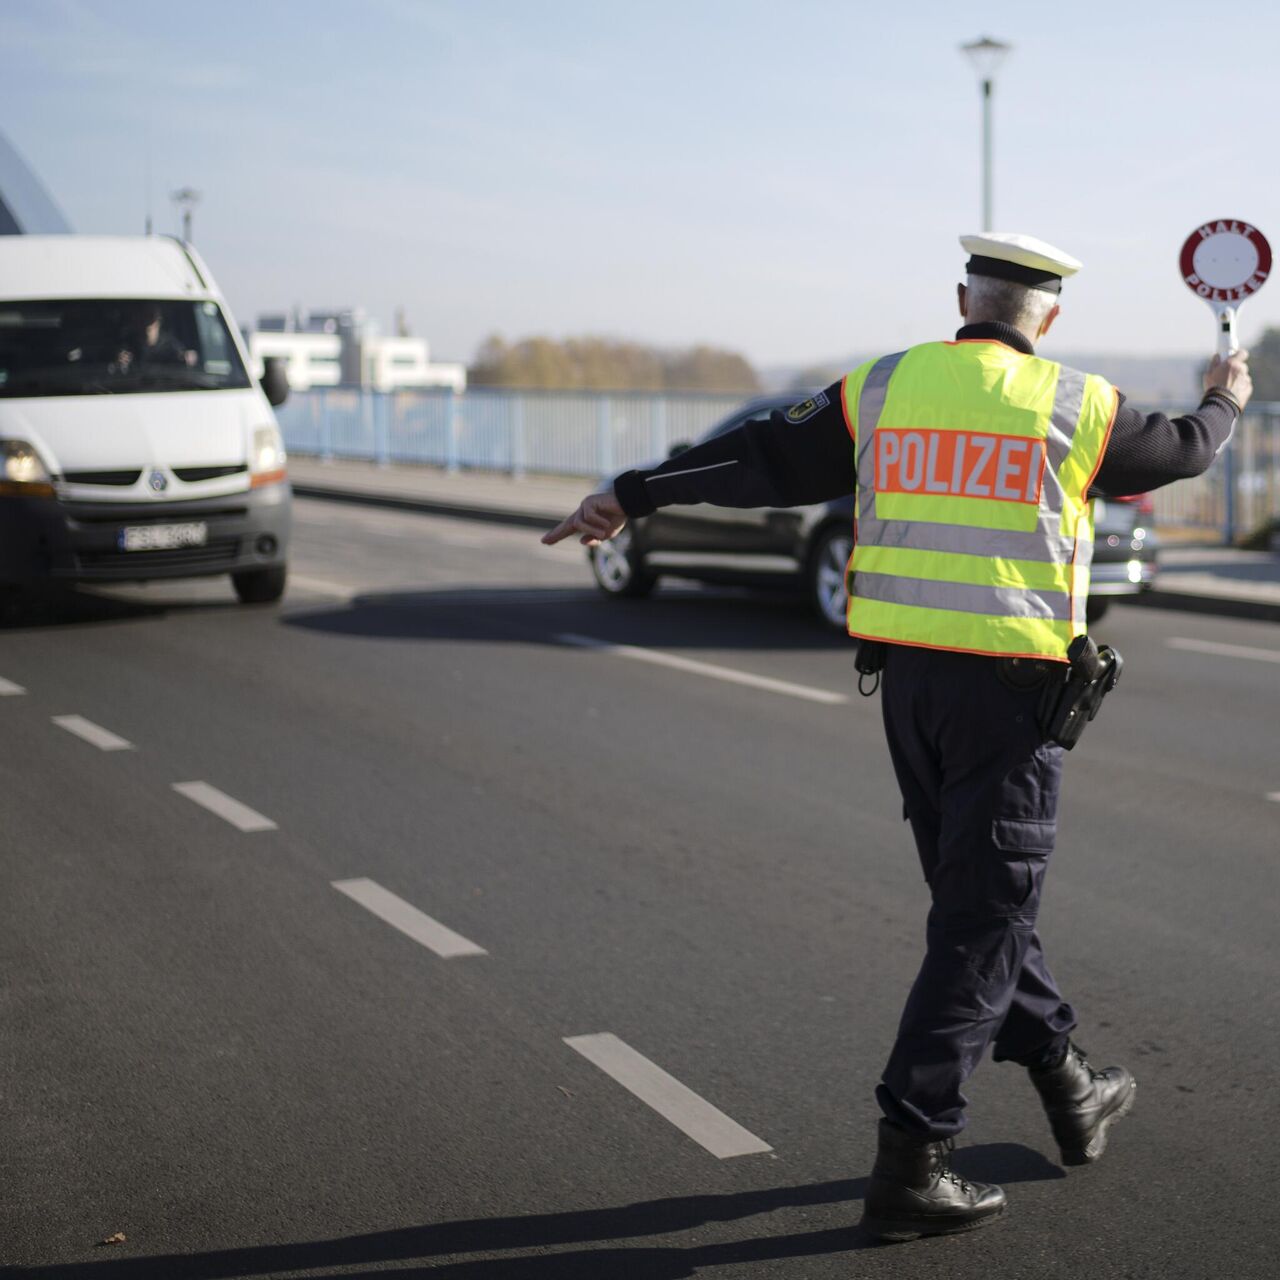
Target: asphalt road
617, 948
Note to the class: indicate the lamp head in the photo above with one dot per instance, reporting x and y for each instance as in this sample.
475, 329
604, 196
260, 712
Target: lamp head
986, 55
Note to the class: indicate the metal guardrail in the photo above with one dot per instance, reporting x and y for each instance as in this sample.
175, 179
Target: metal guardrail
591, 433
574, 433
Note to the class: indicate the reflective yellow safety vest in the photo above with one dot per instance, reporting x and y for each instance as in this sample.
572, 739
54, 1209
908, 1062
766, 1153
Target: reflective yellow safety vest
972, 530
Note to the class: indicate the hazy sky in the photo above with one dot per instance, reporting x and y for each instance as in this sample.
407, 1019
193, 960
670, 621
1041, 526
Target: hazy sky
784, 179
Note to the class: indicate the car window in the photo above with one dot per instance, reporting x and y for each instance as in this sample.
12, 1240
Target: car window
732, 424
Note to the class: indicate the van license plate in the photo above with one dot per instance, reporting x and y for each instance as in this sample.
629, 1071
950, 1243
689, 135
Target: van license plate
163, 537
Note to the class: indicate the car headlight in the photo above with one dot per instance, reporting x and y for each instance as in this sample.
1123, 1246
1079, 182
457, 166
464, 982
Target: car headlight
22, 471
266, 462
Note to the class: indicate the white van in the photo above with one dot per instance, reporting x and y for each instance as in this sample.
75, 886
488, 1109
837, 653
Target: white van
133, 442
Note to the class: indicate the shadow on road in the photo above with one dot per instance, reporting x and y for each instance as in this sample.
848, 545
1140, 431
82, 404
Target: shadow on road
720, 619
1002, 1162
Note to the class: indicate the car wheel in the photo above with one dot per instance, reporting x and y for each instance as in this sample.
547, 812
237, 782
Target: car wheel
260, 586
619, 568
827, 581
1095, 608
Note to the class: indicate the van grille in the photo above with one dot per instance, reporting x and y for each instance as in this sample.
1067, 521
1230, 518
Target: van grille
218, 551
101, 513
190, 474
102, 477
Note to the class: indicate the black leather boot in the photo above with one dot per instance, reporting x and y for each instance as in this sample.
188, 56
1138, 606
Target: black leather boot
1082, 1104
914, 1193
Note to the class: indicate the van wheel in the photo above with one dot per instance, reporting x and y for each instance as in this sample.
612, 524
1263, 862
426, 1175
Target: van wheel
260, 586
1095, 608
827, 588
619, 569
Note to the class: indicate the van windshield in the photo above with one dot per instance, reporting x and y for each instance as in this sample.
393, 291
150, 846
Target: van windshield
85, 347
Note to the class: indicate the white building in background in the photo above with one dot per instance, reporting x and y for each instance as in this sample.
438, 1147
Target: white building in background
393, 363
310, 359
345, 349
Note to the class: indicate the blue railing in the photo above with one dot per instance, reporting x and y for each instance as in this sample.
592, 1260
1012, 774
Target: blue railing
579, 433
1241, 491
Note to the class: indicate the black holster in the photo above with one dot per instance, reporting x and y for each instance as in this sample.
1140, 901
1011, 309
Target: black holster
1069, 702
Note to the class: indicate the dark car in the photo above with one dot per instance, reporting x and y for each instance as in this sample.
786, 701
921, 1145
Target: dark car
807, 549
1124, 550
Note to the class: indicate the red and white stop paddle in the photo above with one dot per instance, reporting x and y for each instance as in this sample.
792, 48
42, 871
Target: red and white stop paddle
1224, 262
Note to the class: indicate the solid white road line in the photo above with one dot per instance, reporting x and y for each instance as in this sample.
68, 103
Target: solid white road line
402, 915
1274, 795
239, 815
710, 670
321, 586
8, 689
1226, 650
101, 738
464, 540
692, 1115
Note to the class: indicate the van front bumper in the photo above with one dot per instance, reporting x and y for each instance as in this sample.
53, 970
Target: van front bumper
47, 539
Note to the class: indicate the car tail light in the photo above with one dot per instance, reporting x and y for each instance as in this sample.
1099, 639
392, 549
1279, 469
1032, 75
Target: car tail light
1144, 502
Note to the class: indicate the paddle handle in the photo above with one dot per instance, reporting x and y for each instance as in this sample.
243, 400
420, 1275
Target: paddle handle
1228, 343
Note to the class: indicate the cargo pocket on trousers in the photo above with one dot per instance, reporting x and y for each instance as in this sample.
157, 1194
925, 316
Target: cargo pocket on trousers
1032, 836
1025, 845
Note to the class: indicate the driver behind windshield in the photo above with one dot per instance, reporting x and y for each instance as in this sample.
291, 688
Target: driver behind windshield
150, 343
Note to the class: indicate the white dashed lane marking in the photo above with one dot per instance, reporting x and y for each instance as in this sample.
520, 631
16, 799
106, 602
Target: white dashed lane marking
239, 815
1224, 650
707, 669
8, 689
1274, 795
404, 916
92, 733
692, 1115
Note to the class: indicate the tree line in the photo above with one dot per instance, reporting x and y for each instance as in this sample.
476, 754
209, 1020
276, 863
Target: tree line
608, 364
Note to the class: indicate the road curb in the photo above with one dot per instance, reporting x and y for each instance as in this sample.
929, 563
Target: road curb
1222, 606
431, 506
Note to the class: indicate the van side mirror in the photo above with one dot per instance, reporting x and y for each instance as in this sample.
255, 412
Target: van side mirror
275, 380
678, 448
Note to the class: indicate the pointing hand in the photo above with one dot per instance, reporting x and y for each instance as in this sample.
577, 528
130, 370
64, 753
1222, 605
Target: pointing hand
597, 519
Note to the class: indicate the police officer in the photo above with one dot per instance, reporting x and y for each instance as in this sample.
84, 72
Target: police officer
974, 463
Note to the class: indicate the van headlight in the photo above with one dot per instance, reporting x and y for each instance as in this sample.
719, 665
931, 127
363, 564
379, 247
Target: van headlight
22, 471
267, 459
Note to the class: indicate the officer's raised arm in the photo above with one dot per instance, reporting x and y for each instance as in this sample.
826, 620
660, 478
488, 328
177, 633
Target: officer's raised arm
1148, 451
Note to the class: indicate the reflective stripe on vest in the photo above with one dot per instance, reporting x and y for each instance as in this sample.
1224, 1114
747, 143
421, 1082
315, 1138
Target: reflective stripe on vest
972, 529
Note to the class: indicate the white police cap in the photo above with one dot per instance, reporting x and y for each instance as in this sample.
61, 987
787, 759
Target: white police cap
1023, 259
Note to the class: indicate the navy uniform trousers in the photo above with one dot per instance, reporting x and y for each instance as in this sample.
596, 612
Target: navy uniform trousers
980, 789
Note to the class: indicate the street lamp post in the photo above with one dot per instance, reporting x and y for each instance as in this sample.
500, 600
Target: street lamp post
986, 55
186, 199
